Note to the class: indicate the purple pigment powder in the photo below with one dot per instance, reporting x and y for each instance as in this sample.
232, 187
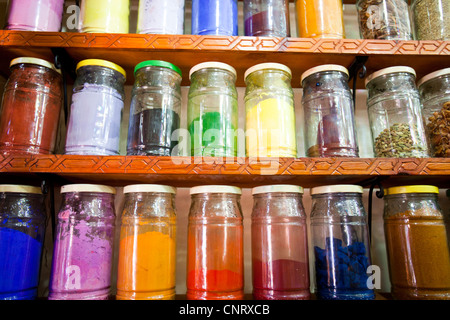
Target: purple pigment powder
82, 258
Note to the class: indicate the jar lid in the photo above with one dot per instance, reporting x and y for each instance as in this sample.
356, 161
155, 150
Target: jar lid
212, 65
101, 63
389, 70
158, 63
149, 188
412, 189
37, 61
215, 189
322, 68
87, 188
277, 188
338, 188
433, 75
268, 65
12, 188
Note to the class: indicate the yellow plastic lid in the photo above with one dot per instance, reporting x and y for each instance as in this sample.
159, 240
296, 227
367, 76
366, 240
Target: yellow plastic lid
412, 189
277, 188
4, 188
157, 188
215, 189
101, 63
87, 188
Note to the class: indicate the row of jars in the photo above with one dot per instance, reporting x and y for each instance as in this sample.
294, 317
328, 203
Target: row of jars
378, 19
416, 240
394, 104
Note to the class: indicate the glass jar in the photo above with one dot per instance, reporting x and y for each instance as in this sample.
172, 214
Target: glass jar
31, 107
279, 244
22, 231
215, 265
315, 21
83, 249
340, 237
330, 129
155, 109
431, 19
264, 18
96, 110
104, 16
161, 17
395, 114
147, 249
416, 241
36, 15
384, 19
270, 114
434, 91
215, 17
213, 110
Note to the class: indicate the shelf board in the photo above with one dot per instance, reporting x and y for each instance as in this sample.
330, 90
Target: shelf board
185, 51
244, 172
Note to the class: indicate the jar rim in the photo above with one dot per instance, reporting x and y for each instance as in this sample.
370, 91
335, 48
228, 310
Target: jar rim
13, 188
322, 68
215, 189
149, 188
101, 63
338, 188
285, 188
389, 70
412, 189
158, 63
267, 65
36, 61
212, 65
87, 188
433, 75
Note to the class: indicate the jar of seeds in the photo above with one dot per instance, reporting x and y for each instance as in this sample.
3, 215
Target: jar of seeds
431, 20
434, 90
395, 114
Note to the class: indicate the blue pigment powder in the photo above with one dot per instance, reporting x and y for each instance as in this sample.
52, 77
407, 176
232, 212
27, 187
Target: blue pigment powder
20, 256
215, 17
341, 271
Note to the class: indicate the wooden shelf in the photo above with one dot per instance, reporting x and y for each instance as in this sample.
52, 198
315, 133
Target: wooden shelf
243, 172
185, 51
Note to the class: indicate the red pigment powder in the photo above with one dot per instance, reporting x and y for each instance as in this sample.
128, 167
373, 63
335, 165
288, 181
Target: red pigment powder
215, 285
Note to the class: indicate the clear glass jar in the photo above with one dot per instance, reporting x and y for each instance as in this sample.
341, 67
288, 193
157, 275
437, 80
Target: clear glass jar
213, 110
31, 107
270, 114
147, 249
215, 264
96, 110
330, 129
417, 244
104, 16
215, 17
161, 17
83, 249
431, 19
264, 18
340, 237
434, 91
395, 114
279, 244
22, 231
315, 21
155, 109
384, 19
36, 15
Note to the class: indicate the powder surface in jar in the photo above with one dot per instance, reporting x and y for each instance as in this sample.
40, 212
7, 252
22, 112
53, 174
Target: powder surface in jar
146, 268
218, 283
320, 19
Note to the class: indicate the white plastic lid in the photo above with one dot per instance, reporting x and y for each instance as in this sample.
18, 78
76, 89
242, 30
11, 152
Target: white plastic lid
37, 61
215, 189
277, 188
389, 70
268, 65
87, 188
12, 188
212, 65
433, 75
322, 68
338, 188
149, 188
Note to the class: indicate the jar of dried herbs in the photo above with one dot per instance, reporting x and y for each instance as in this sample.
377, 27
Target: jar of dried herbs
395, 114
384, 19
416, 241
434, 90
431, 19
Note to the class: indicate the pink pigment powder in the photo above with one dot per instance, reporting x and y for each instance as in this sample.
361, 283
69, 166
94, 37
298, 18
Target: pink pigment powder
35, 15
